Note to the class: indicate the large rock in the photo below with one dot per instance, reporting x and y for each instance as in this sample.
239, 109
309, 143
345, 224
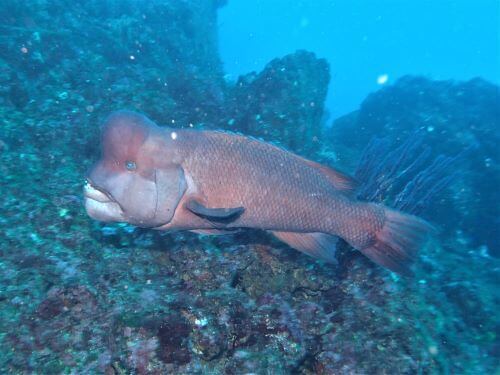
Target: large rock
284, 103
454, 116
67, 65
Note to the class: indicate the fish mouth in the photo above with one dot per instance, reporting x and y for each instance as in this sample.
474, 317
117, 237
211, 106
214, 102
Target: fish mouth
101, 205
97, 194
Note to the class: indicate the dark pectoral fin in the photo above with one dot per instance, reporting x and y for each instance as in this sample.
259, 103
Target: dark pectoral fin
318, 245
214, 214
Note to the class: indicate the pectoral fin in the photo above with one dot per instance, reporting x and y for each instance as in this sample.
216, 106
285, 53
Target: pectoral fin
214, 214
318, 245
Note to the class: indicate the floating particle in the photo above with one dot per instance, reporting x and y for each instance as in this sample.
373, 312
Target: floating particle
201, 322
24, 50
382, 79
173, 135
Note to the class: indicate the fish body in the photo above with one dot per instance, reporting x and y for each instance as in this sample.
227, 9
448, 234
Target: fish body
214, 181
278, 190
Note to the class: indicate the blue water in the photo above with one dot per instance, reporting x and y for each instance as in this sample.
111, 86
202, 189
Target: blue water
365, 39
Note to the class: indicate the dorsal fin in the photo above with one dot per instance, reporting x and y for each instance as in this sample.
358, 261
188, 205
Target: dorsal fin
339, 180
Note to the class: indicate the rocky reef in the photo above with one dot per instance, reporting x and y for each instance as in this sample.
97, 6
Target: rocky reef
284, 103
80, 296
455, 117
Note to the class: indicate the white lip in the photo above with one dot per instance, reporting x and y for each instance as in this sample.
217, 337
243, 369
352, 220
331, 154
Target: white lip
100, 206
92, 193
103, 211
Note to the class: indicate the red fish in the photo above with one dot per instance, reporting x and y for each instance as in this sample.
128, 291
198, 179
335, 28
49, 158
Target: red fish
213, 182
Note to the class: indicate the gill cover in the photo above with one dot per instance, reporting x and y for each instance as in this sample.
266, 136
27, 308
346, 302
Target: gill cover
170, 186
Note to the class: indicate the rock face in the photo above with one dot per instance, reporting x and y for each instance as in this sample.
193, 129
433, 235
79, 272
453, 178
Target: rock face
458, 113
75, 62
80, 296
284, 103
454, 116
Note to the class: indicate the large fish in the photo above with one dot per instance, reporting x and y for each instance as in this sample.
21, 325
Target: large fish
213, 182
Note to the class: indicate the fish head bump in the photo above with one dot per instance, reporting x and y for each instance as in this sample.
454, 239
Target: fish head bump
137, 179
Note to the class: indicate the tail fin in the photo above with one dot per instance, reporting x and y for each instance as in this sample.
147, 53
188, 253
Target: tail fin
398, 242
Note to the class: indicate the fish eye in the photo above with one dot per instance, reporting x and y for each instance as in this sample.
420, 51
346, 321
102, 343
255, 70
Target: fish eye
130, 165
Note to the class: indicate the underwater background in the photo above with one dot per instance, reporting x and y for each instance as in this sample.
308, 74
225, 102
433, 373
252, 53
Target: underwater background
414, 116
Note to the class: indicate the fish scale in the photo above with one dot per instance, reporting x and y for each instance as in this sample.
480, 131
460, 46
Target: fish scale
278, 190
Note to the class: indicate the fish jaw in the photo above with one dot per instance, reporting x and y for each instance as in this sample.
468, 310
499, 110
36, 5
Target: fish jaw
101, 206
91, 192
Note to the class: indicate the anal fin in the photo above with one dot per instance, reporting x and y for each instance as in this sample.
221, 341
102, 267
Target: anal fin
213, 232
318, 245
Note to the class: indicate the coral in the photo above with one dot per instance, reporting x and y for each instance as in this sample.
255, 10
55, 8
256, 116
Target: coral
172, 335
405, 177
141, 353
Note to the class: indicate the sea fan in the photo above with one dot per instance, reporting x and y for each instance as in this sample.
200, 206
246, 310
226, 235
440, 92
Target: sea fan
407, 177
